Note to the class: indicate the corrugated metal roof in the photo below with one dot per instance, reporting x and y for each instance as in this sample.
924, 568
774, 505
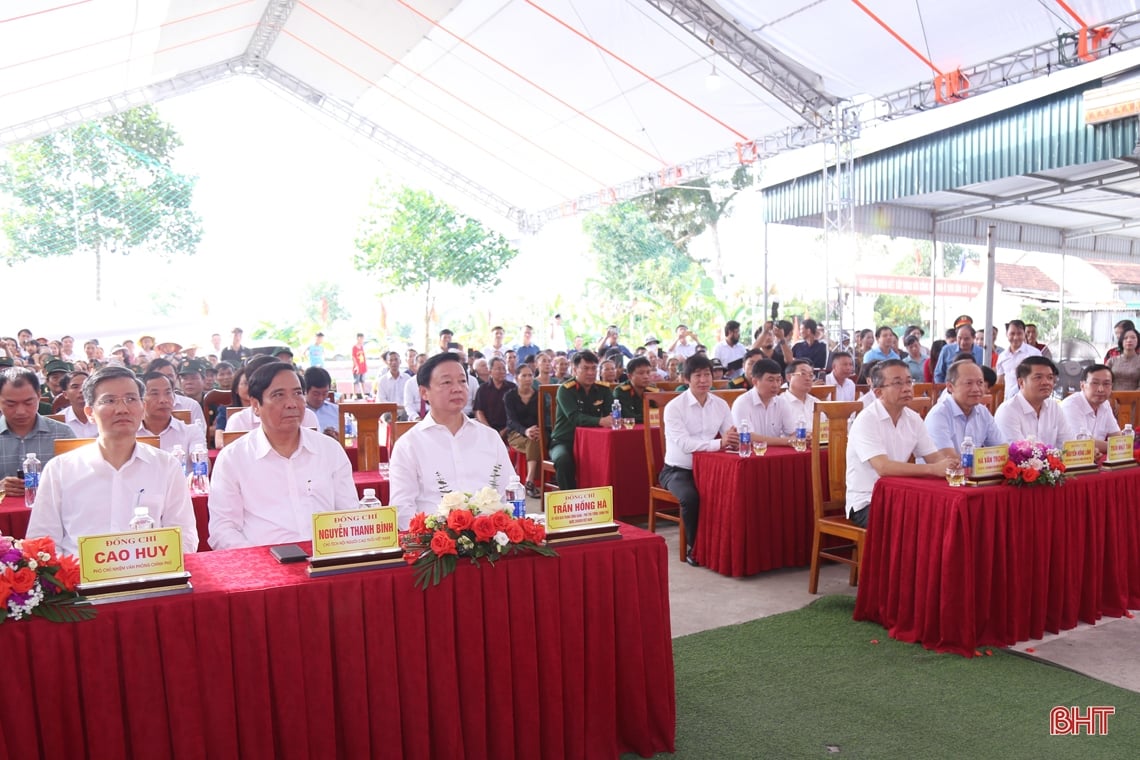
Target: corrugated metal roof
1046, 134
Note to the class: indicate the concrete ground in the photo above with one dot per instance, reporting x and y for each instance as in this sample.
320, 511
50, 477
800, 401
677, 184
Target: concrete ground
701, 599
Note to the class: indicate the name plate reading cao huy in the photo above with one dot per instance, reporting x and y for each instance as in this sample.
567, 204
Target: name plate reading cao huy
121, 556
988, 462
1079, 454
1119, 450
354, 531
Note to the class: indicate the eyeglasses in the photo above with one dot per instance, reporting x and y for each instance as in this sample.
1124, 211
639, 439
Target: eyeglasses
899, 383
803, 374
128, 401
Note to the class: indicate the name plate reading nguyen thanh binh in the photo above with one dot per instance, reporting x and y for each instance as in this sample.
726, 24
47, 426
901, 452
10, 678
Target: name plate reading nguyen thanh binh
988, 463
583, 514
120, 566
1120, 451
1079, 454
355, 539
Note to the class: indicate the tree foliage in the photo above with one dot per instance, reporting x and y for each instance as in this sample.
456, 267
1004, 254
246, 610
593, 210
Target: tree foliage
106, 186
413, 241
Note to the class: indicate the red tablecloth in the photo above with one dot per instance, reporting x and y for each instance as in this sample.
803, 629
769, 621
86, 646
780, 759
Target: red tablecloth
14, 517
959, 568
756, 512
261, 662
604, 457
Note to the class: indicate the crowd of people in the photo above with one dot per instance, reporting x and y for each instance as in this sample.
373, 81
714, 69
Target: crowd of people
266, 485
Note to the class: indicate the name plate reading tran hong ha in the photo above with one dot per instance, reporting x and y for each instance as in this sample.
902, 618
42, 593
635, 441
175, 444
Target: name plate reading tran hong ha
120, 566
355, 539
583, 514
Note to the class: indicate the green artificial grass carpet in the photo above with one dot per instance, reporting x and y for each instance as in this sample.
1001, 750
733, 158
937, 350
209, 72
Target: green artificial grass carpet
811, 683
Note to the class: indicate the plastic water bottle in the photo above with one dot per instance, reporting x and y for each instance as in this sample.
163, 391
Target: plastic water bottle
199, 470
745, 439
349, 427
180, 454
369, 500
615, 413
31, 479
800, 442
1128, 431
967, 458
516, 496
1083, 434
142, 519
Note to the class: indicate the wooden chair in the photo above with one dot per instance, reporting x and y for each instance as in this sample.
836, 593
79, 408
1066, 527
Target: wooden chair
1125, 403
823, 392
56, 417
547, 416
730, 394
230, 436
653, 412
921, 404
938, 389
217, 397
924, 389
830, 515
861, 388
667, 385
988, 402
63, 445
183, 415
232, 410
59, 403
397, 428
368, 416
720, 385
998, 392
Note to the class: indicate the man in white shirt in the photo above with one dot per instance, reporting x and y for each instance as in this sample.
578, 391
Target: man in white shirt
95, 488
1090, 411
268, 484
447, 451
761, 406
158, 404
884, 436
391, 383
496, 348
682, 347
1018, 350
75, 415
730, 349
798, 403
693, 421
416, 406
1033, 413
197, 416
842, 370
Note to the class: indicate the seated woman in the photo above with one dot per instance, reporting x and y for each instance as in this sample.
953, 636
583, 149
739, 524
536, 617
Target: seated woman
522, 425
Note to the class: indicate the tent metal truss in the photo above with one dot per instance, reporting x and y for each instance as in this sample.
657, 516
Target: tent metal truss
272, 22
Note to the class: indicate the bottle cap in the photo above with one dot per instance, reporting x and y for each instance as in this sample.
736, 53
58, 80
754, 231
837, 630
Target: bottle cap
141, 511
370, 493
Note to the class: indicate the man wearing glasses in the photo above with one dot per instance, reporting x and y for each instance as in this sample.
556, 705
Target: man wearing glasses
95, 488
1090, 411
798, 402
1033, 413
884, 436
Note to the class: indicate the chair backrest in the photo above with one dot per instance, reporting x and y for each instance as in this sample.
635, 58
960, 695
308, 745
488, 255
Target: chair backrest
667, 385
836, 415
720, 384
729, 394
921, 404
217, 397
229, 436
653, 412
63, 445
924, 389
547, 416
182, 415
398, 428
368, 417
988, 403
56, 417
59, 403
823, 392
998, 392
232, 410
938, 389
1125, 403
861, 388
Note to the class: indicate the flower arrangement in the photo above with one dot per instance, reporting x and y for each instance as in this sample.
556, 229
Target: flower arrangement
35, 580
1032, 463
474, 525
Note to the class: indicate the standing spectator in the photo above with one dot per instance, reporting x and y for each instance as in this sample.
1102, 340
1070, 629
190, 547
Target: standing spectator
557, 335
392, 382
1125, 365
809, 347
1031, 339
731, 349
316, 351
526, 348
235, 353
1118, 332
360, 365
496, 348
1019, 349
684, 345
611, 342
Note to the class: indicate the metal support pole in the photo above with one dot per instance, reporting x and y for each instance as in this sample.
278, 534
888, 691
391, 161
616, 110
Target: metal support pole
933, 279
1061, 314
991, 268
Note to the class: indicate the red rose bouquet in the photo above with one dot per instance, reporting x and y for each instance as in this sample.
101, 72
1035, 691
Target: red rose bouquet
476, 526
35, 580
1032, 463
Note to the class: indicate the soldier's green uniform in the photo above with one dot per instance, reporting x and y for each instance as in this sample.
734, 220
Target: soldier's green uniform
577, 406
631, 401
740, 381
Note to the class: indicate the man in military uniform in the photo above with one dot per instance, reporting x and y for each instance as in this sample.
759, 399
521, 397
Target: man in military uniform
745, 380
55, 371
632, 391
581, 401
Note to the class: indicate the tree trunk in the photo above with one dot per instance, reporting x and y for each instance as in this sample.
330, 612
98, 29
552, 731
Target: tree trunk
98, 273
427, 318
718, 264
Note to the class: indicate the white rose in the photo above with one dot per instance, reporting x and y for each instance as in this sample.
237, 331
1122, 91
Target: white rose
453, 500
501, 539
486, 500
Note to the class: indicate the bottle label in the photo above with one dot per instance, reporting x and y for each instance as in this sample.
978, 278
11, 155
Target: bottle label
31, 480
745, 438
200, 468
968, 460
